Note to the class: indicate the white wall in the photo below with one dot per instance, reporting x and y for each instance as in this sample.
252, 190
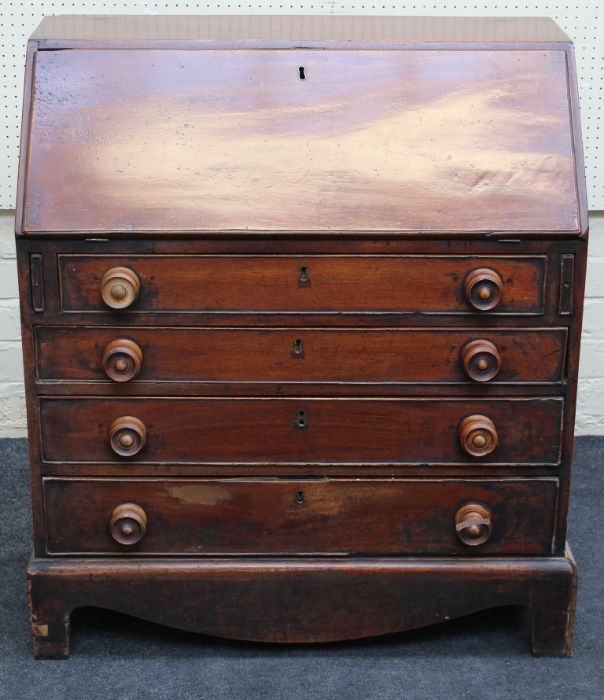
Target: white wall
12, 395
590, 405
590, 412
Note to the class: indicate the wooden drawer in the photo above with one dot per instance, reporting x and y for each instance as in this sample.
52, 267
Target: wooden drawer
323, 516
300, 355
300, 430
301, 284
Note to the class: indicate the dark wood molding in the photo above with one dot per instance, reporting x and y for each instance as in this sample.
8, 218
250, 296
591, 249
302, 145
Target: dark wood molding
320, 600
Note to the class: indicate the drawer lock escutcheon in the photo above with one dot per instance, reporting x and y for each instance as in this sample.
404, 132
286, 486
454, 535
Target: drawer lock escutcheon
304, 274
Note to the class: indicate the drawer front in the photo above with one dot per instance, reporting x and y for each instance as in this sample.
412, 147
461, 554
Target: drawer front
299, 284
300, 355
198, 516
301, 430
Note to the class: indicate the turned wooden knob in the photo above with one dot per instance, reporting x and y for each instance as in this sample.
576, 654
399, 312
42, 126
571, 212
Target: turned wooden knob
478, 435
484, 288
473, 524
127, 436
481, 360
122, 360
120, 287
128, 524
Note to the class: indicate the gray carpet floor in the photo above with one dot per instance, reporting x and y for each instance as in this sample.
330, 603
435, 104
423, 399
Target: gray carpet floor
485, 655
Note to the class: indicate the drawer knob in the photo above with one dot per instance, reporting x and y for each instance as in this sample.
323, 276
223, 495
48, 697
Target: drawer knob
127, 436
484, 288
478, 435
481, 360
122, 360
128, 524
120, 287
473, 524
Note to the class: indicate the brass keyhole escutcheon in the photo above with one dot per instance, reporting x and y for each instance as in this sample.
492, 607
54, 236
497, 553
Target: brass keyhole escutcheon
298, 348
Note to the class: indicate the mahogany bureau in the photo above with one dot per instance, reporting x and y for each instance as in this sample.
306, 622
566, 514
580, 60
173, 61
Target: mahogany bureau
301, 303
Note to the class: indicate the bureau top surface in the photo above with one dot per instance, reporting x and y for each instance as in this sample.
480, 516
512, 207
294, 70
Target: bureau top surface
228, 29
300, 125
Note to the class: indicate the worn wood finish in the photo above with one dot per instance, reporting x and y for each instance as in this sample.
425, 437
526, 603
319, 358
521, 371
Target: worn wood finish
548, 253
260, 517
346, 148
73, 353
319, 600
304, 430
328, 269
279, 284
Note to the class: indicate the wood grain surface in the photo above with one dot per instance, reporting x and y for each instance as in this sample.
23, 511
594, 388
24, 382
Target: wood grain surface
275, 283
309, 355
394, 431
320, 599
258, 517
415, 140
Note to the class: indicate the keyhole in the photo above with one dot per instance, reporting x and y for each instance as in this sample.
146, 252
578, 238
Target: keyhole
302, 73
301, 419
298, 346
304, 274
300, 497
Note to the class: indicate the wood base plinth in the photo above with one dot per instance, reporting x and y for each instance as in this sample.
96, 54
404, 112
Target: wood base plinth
302, 600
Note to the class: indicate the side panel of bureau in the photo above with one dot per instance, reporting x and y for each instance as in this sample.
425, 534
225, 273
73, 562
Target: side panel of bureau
198, 516
305, 430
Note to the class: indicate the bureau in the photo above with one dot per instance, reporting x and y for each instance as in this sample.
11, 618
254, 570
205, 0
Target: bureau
301, 310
